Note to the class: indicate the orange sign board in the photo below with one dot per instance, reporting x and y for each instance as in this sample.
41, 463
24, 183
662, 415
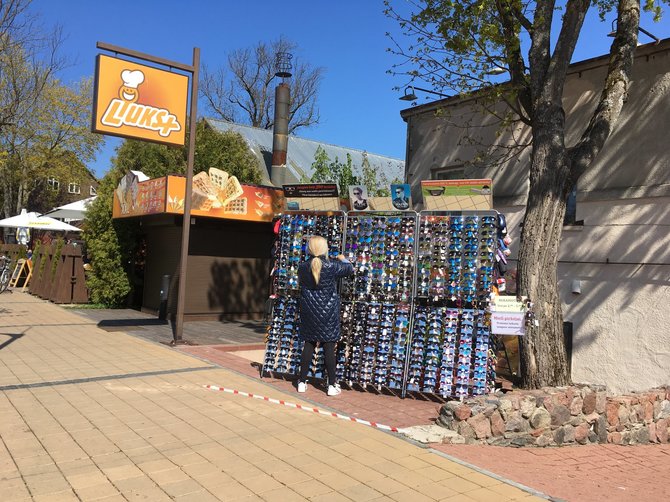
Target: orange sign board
247, 202
215, 194
138, 101
136, 198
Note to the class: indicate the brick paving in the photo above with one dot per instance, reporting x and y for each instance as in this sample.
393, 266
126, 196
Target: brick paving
87, 414
579, 473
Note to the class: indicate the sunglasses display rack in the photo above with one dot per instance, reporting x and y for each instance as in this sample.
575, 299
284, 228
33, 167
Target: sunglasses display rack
377, 307
290, 249
283, 343
374, 343
449, 348
415, 313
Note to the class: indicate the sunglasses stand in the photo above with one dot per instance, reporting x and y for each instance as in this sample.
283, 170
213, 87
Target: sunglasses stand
283, 343
415, 315
449, 348
377, 300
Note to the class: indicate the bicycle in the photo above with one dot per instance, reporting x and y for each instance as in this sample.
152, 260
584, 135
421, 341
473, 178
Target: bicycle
5, 273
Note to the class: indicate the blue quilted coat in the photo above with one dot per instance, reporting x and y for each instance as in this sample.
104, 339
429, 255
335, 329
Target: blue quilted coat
320, 303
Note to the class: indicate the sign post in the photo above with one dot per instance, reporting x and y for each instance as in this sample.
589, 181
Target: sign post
146, 103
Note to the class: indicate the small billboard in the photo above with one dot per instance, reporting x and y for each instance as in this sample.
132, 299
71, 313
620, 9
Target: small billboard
138, 101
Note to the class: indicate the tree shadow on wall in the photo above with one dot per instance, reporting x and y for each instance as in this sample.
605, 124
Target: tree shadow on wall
239, 288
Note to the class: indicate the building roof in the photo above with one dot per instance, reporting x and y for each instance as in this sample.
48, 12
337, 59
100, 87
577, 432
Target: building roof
300, 152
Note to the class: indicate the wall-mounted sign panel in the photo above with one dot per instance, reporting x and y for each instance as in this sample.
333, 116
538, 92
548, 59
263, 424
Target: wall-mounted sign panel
137, 101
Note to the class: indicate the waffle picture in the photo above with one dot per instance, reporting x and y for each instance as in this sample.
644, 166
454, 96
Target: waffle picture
203, 183
231, 191
201, 200
236, 206
218, 178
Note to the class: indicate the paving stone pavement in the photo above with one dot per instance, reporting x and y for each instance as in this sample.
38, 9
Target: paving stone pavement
87, 414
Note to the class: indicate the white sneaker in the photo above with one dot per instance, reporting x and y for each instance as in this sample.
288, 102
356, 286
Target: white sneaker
302, 387
334, 390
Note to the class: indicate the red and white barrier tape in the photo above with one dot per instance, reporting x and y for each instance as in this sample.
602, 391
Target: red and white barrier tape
306, 408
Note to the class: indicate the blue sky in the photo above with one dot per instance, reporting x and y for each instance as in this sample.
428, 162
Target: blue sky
359, 107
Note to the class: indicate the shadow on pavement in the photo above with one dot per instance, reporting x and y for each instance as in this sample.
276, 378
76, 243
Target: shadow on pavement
129, 324
12, 338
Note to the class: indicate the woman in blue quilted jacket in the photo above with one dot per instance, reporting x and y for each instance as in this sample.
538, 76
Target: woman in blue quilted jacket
320, 308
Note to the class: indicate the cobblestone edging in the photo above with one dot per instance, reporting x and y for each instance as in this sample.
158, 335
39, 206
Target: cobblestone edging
559, 416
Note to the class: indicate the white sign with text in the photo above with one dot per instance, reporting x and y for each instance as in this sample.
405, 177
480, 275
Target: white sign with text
508, 323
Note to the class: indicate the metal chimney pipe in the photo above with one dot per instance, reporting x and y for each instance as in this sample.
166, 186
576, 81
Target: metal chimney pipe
280, 135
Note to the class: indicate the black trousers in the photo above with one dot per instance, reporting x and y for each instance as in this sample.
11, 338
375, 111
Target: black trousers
329, 355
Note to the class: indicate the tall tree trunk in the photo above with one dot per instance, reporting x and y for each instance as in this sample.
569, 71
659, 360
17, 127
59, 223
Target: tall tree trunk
543, 355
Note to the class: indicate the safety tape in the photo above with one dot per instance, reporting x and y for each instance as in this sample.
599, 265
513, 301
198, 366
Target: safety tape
306, 408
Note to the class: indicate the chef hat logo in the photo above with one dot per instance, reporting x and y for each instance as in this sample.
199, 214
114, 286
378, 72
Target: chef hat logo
132, 78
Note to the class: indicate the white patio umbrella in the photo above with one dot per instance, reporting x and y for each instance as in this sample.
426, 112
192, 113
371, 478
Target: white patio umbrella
36, 221
72, 211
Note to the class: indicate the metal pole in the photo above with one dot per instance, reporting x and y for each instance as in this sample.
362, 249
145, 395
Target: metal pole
186, 224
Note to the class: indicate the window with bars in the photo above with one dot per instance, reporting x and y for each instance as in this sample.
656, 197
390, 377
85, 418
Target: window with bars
74, 188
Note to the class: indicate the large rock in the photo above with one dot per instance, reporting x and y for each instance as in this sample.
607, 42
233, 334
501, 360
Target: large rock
589, 403
559, 436
517, 425
522, 441
497, 424
445, 421
624, 416
641, 435
652, 432
527, 406
463, 412
506, 408
612, 411
593, 417
560, 415
648, 411
662, 430
600, 428
481, 425
540, 419
576, 405
544, 440
429, 433
601, 401
663, 411
466, 430
582, 433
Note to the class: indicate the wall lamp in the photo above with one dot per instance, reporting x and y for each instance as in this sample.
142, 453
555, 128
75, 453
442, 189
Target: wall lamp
410, 94
640, 29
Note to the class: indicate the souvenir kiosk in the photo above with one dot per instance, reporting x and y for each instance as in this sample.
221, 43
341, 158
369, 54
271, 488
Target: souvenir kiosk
230, 242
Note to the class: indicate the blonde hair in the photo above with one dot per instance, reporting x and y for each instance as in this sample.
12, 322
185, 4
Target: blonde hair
318, 246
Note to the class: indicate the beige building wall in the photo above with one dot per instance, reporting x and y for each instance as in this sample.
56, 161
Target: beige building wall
620, 254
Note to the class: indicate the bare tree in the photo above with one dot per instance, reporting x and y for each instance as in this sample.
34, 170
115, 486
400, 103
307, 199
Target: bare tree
456, 45
244, 91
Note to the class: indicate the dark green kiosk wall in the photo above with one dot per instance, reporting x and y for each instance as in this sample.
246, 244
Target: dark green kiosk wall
228, 267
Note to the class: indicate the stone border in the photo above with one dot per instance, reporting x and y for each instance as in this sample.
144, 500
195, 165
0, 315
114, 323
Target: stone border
578, 414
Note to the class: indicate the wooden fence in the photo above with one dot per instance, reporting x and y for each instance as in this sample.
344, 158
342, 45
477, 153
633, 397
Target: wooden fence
58, 272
